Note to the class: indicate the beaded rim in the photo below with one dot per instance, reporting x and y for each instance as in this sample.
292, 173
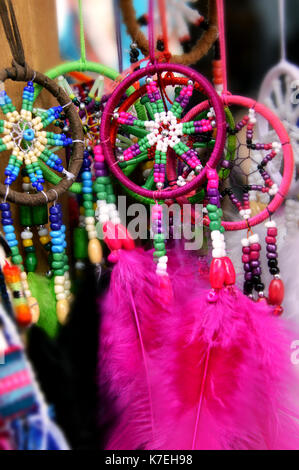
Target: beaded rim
113, 102
23, 74
288, 157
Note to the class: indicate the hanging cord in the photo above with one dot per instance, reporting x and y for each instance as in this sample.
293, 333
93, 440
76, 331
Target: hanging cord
118, 34
82, 36
163, 17
282, 30
151, 39
222, 44
12, 32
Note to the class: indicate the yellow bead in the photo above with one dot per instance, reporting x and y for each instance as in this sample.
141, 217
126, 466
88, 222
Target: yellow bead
34, 309
95, 252
44, 240
62, 310
27, 242
26, 179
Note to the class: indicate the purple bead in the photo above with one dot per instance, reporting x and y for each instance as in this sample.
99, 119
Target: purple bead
271, 248
226, 164
248, 276
271, 255
257, 271
254, 264
100, 173
247, 267
213, 192
99, 165
214, 201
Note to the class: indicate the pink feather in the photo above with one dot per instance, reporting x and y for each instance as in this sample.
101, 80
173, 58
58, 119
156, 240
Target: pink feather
189, 373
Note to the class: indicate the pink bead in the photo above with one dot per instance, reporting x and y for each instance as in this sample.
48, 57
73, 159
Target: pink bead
271, 240
211, 173
245, 259
272, 231
254, 255
255, 247
217, 273
230, 274
213, 183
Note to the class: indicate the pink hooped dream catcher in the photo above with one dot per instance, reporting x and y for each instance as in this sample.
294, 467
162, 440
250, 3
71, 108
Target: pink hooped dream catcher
190, 361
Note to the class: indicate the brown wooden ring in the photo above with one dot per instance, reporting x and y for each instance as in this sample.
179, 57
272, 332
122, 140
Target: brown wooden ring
19, 73
200, 49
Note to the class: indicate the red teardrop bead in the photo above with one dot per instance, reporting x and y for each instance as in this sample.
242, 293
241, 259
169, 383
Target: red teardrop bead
230, 273
217, 273
276, 292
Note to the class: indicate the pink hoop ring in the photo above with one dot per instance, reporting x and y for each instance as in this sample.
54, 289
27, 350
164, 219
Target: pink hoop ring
288, 157
113, 102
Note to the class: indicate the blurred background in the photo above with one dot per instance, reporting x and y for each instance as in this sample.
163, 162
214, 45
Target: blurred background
252, 28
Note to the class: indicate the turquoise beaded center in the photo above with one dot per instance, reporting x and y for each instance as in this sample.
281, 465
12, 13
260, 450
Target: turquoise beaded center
29, 135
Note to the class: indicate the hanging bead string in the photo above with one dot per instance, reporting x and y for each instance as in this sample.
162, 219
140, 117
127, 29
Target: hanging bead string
251, 260
276, 287
222, 272
60, 265
15, 280
159, 240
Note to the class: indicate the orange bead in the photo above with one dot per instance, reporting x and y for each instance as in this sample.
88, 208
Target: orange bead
23, 314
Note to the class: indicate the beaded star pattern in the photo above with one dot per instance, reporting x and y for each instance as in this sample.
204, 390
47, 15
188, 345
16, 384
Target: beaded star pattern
26, 137
164, 132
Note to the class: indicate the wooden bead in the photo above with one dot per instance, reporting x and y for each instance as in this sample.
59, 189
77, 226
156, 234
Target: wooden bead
62, 310
34, 309
95, 252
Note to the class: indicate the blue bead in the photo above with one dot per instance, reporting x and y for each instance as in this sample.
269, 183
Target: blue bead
6, 221
55, 233
6, 214
63, 228
10, 236
57, 249
57, 241
8, 229
55, 226
4, 206
12, 242
54, 210
86, 175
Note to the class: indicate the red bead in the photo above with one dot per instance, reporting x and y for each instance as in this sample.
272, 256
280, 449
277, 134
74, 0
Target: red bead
126, 240
246, 250
255, 247
217, 273
245, 259
230, 274
276, 292
271, 240
278, 310
110, 236
254, 255
272, 232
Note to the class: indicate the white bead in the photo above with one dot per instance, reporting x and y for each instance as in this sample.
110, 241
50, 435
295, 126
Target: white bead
43, 232
23, 276
216, 235
58, 289
217, 253
27, 293
89, 220
254, 238
245, 242
59, 280
92, 234
116, 220
67, 285
103, 218
270, 223
218, 243
61, 296
163, 259
26, 235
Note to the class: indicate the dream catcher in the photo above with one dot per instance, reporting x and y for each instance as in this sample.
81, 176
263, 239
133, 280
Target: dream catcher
25, 418
278, 93
168, 371
26, 137
174, 14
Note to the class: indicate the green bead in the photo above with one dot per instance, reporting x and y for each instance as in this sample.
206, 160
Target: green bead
102, 196
109, 189
219, 212
159, 237
26, 216
31, 262
66, 268
40, 215
87, 197
99, 188
111, 199
103, 179
14, 250
159, 253
89, 212
58, 272
17, 259
211, 208
222, 229
87, 204
58, 256
29, 249
80, 238
159, 246
214, 216
215, 225
57, 264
